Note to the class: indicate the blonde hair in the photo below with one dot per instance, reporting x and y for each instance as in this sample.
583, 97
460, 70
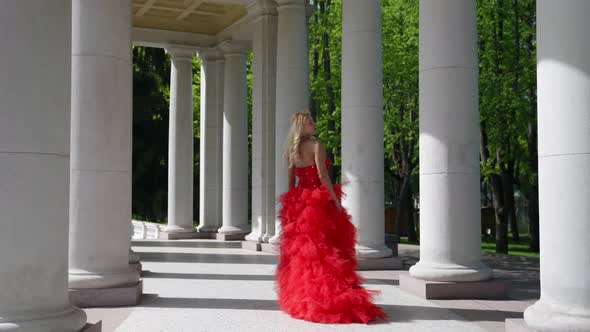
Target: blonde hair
294, 138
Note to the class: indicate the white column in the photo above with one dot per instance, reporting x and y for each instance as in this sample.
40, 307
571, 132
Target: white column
450, 248
362, 124
292, 93
34, 166
180, 142
100, 188
563, 87
235, 141
210, 204
264, 51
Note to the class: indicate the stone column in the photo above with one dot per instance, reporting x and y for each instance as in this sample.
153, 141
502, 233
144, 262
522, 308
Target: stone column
362, 124
450, 248
292, 93
180, 145
100, 178
235, 144
563, 87
34, 167
264, 51
212, 65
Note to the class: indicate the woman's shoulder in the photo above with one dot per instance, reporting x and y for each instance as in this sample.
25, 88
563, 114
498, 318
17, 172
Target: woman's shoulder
318, 146
311, 144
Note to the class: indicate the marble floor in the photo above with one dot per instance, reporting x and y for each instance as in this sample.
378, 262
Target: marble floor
207, 285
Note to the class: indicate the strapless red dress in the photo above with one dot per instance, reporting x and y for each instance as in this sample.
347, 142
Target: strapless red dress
316, 277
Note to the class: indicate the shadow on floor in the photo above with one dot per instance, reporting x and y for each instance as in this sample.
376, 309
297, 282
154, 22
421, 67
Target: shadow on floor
256, 277
207, 276
395, 313
206, 258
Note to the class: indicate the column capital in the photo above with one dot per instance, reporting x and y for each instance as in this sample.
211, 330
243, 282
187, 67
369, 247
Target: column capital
210, 54
179, 52
233, 47
259, 8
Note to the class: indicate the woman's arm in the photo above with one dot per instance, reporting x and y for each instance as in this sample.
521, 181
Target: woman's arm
320, 163
291, 175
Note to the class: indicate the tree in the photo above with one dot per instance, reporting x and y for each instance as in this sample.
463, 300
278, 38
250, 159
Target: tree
400, 83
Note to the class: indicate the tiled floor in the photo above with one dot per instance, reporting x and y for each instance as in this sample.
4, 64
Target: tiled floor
205, 285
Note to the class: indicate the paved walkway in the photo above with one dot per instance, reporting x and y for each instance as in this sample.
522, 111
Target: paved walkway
206, 285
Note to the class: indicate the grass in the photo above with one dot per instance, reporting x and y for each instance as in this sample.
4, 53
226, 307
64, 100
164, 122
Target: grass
488, 245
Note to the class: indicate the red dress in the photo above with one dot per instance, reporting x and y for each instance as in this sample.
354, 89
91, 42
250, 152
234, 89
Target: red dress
316, 276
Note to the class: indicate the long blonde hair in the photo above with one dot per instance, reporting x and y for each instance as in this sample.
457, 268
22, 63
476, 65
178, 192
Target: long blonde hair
294, 138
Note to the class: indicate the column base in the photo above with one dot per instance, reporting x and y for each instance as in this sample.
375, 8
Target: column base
207, 229
375, 264
482, 290
233, 230
373, 252
516, 325
70, 319
276, 239
81, 279
230, 237
179, 229
250, 245
270, 248
267, 237
450, 272
97, 327
254, 237
542, 317
107, 297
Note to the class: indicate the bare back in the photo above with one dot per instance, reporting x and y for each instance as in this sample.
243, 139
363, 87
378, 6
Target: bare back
307, 153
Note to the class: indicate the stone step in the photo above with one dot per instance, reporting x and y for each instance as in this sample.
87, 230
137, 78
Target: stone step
192, 243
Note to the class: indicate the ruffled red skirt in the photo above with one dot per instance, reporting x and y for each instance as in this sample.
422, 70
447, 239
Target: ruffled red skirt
316, 277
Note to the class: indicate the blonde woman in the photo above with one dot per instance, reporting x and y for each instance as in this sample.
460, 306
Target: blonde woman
316, 277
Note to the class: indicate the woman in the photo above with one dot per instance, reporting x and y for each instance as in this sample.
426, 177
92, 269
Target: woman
316, 276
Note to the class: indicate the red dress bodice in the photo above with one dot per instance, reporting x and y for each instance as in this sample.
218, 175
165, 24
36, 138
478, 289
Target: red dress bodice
309, 177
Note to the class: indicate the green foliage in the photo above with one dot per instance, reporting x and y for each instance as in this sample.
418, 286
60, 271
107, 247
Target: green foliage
151, 100
507, 82
325, 56
507, 96
400, 88
151, 81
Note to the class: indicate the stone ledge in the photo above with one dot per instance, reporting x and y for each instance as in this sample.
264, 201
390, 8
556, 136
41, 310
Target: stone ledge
89, 327
482, 290
230, 237
251, 245
188, 235
517, 325
270, 248
386, 263
107, 297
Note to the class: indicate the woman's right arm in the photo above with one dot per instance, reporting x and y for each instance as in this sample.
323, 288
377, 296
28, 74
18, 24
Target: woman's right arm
291, 174
320, 163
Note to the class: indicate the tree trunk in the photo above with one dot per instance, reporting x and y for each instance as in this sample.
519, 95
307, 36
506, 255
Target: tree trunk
509, 204
497, 199
500, 214
533, 191
401, 213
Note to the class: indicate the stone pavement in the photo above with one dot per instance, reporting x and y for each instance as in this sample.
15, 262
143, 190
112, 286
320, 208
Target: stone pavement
207, 285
